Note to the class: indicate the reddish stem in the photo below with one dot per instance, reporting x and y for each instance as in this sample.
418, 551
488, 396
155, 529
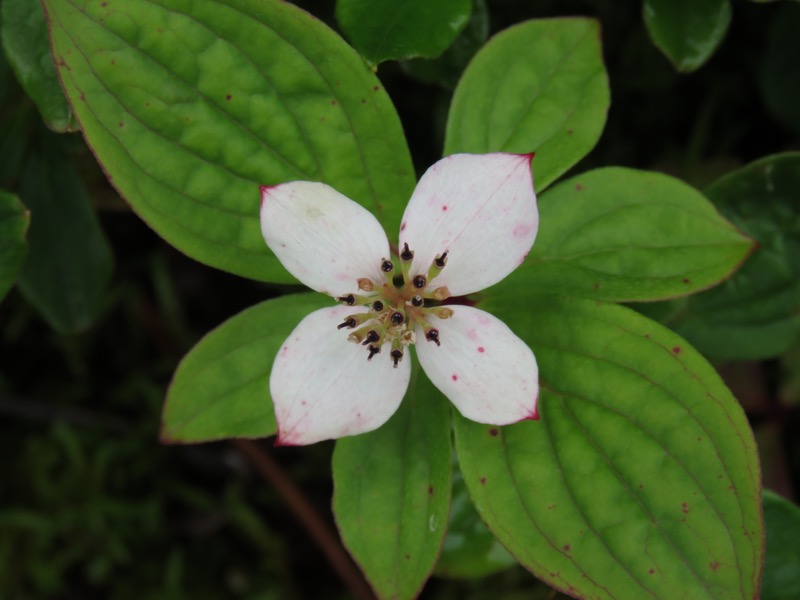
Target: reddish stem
320, 531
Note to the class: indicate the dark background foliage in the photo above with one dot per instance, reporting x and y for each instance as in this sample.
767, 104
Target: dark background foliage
92, 506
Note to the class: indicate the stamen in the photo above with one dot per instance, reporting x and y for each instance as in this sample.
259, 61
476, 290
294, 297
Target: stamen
419, 281
397, 318
365, 284
386, 266
377, 306
437, 265
432, 335
443, 312
441, 293
371, 338
373, 350
350, 299
417, 301
397, 356
349, 322
406, 255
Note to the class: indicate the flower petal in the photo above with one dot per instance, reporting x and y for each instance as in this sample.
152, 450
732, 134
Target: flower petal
481, 209
323, 387
482, 367
323, 238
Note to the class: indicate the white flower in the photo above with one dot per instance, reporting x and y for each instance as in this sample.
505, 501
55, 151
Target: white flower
343, 371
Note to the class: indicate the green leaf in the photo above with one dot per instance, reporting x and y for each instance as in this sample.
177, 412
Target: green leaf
622, 235
538, 86
392, 492
388, 30
687, 31
782, 564
779, 75
190, 105
14, 219
641, 476
756, 314
470, 550
221, 387
446, 70
69, 263
24, 36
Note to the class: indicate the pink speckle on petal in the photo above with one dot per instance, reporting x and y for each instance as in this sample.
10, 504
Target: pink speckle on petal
472, 334
521, 231
403, 227
455, 377
481, 349
444, 207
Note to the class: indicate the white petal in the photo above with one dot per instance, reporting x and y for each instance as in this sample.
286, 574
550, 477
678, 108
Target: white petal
482, 367
323, 238
479, 208
323, 387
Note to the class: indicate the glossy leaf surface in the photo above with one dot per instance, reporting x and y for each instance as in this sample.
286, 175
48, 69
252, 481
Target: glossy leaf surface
221, 387
539, 86
14, 220
392, 492
756, 314
621, 235
446, 69
24, 37
640, 478
687, 31
190, 106
385, 29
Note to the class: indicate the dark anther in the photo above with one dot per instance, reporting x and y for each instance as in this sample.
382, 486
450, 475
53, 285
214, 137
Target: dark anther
349, 322
432, 335
397, 318
377, 306
396, 356
371, 338
350, 299
387, 266
419, 281
373, 350
441, 261
417, 301
406, 254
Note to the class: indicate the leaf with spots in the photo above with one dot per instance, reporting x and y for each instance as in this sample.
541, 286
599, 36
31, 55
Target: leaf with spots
191, 105
470, 550
221, 387
392, 491
539, 86
756, 313
23, 32
641, 476
623, 235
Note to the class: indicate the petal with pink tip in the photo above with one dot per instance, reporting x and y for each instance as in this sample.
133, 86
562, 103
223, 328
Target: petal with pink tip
323, 238
323, 386
481, 209
482, 367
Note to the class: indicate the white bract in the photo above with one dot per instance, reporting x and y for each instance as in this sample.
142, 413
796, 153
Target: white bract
343, 371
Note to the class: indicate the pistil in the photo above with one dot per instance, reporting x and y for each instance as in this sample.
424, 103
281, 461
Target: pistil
397, 306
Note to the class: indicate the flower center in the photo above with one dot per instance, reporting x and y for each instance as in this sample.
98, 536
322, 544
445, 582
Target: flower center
397, 304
